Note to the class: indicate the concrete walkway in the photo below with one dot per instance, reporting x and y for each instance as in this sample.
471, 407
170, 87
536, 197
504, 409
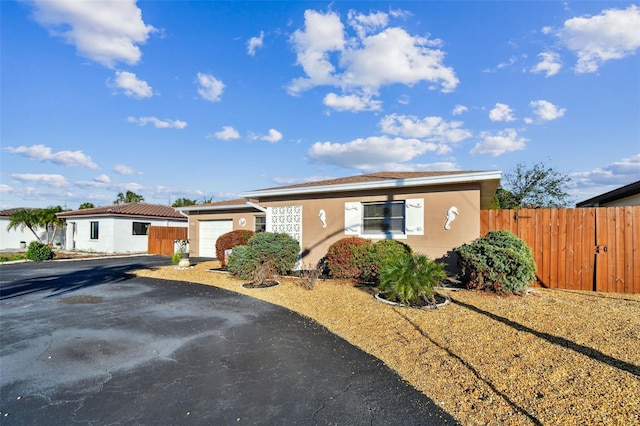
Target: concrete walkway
86, 343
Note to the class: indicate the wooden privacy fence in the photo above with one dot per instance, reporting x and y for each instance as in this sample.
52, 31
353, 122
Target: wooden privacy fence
579, 249
162, 238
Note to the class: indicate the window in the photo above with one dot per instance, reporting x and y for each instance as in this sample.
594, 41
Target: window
383, 217
141, 228
260, 224
94, 230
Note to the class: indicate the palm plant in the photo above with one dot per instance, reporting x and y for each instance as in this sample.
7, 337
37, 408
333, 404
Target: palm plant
410, 278
25, 218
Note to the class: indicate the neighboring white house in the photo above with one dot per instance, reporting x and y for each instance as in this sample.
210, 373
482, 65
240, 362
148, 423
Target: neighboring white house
628, 195
119, 228
17, 238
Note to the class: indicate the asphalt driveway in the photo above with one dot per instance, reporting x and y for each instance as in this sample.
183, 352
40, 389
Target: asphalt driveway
85, 342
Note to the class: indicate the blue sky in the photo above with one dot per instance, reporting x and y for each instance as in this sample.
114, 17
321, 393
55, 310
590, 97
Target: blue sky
210, 99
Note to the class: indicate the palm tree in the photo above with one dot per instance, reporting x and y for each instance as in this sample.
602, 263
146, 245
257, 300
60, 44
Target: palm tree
184, 202
25, 218
129, 197
51, 222
86, 205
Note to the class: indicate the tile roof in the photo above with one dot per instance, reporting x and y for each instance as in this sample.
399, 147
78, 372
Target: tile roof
128, 209
9, 212
372, 177
237, 201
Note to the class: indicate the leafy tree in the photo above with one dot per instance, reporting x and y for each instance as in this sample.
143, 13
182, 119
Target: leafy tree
129, 197
206, 200
183, 202
537, 187
86, 206
504, 199
25, 218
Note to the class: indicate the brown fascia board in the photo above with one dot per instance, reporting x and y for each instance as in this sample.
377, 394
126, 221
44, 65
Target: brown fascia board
613, 195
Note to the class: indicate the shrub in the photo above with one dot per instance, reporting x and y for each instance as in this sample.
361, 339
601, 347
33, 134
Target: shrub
240, 262
344, 259
230, 240
498, 261
409, 278
279, 250
39, 252
309, 275
370, 257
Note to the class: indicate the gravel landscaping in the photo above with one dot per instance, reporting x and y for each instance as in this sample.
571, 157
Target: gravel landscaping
550, 357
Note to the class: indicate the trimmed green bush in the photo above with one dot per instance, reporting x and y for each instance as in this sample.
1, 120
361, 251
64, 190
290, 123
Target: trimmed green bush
230, 240
344, 258
498, 261
278, 249
39, 252
409, 278
370, 257
240, 262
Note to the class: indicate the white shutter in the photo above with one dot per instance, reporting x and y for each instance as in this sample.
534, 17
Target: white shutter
268, 219
414, 216
352, 218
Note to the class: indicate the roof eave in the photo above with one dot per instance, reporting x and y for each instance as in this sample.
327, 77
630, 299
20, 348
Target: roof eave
211, 208
385, 184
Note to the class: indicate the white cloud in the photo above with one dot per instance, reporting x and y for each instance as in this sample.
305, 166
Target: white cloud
102, 179
104, 31
393, 56
549, 64
44, 153
131, 85
433, 129
613, 34
159, 124
353, 103
367, 24
617, 173
322, 35
273, 136
370, 153
374, 57
546, 111
459, 109
498, 143
254, 43
57, 181
501, 112
227, 133
546, 30
121, 169
210, 87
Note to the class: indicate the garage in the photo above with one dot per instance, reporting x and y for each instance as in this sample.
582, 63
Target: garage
210, 230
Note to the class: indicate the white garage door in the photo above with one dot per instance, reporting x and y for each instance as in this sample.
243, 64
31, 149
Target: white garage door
210, 230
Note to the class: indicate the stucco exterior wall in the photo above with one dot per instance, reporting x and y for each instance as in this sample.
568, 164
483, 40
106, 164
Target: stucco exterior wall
115, 234
234, 215
435, 242
633, 200
10, 240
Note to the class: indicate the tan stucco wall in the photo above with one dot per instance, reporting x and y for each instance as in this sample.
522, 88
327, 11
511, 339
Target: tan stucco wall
435, 242
235, 216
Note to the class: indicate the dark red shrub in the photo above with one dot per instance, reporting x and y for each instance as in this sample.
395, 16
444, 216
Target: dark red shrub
342, 257
227, 241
